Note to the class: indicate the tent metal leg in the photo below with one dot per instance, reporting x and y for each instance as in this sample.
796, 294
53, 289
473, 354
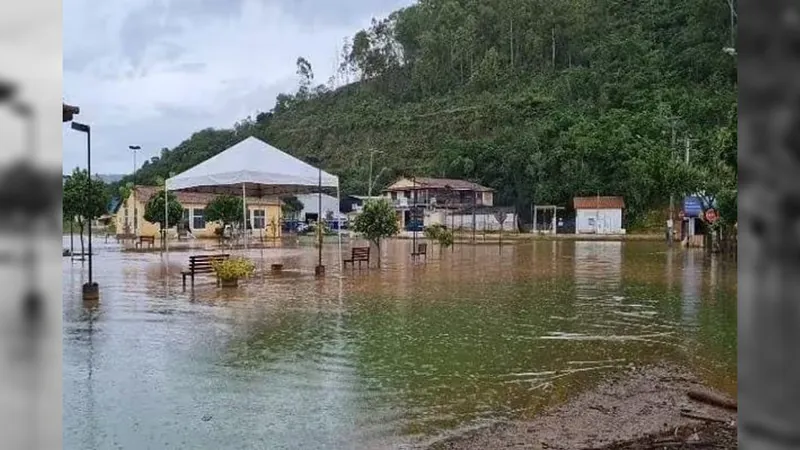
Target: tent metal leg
339, 221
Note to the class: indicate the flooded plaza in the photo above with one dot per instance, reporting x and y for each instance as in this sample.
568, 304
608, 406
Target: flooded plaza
378, 358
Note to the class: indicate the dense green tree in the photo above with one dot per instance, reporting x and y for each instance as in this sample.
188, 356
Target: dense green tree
83, 200
291, 207
154, 211
377, 221
226, 209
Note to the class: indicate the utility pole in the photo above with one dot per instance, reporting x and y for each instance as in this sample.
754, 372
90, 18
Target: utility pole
369, 187
670, 221
688, 149
372, 152
414, 215
135, 148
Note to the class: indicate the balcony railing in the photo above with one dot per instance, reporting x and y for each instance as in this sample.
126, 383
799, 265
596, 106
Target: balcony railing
403, 202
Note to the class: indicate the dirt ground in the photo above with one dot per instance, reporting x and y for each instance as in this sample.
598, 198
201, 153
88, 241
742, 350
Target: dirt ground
645, 408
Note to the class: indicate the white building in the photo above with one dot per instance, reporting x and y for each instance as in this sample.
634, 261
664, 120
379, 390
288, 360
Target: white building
598, 215
310, 211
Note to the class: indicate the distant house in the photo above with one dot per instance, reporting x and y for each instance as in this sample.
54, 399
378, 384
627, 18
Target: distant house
310, 211
129, 218
435, 193
354, 204
439, 192
598, 215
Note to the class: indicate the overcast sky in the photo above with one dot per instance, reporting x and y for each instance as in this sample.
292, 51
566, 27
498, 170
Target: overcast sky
152, 72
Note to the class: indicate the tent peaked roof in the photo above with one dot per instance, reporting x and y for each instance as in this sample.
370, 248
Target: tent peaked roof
260, 166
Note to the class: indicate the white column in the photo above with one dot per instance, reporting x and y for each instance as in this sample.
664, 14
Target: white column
339, 222
244, 217
166, 226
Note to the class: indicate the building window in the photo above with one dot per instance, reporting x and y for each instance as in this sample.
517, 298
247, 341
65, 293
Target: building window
135, 219
591, 221
259, 219
186, 214
198, 219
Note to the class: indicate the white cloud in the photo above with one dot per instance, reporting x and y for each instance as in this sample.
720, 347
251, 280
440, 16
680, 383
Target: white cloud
153, 72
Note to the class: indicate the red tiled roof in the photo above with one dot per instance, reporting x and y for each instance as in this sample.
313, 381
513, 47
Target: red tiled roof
194, 198
445, 183
598, 203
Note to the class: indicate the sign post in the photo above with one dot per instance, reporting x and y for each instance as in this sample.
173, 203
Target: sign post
711, 215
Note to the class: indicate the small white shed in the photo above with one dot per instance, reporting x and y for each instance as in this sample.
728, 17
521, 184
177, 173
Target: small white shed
598, 215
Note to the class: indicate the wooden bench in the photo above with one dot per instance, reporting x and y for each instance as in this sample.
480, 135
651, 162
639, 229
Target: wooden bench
151, 241
201, 264
422, 250
358, 254
122, 237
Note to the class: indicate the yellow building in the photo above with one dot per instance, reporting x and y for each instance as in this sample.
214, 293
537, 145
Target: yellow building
263, 214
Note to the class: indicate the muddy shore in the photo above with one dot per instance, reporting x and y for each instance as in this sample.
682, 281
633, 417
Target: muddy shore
645, 408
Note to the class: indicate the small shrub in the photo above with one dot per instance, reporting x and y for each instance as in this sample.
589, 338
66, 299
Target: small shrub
445, 238
233, 268
433, 232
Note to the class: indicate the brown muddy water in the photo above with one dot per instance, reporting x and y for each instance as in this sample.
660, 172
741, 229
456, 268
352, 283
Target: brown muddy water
378, 358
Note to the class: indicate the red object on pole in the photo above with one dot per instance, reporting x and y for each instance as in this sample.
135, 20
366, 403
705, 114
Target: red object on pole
711, 215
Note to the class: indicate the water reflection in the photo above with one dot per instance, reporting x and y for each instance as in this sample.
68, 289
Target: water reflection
378, 357
598, 267
692, 279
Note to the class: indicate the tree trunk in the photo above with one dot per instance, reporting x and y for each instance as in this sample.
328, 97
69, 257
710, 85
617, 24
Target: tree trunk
378, 246
80, 229
71, 237
553, 34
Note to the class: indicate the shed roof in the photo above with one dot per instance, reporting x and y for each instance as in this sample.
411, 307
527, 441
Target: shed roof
599, 203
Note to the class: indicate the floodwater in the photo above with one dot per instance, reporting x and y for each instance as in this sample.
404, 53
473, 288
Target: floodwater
379, 358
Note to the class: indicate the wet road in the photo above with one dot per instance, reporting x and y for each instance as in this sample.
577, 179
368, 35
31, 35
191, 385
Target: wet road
381, 357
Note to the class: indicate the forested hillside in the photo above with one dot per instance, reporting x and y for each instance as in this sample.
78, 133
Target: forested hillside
539, 99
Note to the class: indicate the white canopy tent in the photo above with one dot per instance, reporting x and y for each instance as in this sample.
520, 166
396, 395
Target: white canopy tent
256, 168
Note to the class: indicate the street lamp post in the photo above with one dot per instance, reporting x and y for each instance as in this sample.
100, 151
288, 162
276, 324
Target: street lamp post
91, 290
320, 269
135, 148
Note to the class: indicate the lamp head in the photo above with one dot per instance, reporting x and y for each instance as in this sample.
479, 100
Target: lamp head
80, 127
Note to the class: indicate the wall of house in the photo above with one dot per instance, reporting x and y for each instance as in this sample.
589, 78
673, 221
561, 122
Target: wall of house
600, 221
145, 228
127, 222
272, 217
486, 222
488, 198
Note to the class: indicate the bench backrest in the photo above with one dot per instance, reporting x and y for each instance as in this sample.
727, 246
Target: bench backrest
204, 263
147, 238
360, 253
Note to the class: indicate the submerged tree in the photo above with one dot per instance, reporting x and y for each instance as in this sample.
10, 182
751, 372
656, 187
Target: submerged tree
84, 200
376, 222
226, 209
154, 212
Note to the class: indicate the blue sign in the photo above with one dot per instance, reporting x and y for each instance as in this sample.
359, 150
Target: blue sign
692, 207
